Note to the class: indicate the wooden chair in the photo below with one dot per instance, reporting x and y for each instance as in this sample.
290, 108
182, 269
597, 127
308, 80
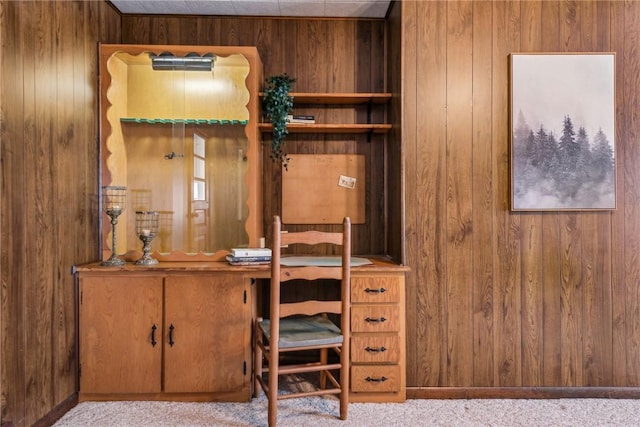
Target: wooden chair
304, 325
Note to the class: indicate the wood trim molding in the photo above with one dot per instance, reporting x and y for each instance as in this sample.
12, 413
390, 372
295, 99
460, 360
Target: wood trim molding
56, 413
522, 392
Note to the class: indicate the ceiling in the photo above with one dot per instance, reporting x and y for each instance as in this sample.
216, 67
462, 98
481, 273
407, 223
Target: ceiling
288, 8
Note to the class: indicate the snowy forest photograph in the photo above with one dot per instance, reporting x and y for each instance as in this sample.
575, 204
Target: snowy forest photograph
562, 131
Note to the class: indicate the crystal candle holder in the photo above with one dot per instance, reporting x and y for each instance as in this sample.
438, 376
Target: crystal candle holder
114, 202
147, 229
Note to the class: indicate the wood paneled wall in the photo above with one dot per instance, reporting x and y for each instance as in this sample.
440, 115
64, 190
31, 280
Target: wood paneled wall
496, 298
48, 193
324, 55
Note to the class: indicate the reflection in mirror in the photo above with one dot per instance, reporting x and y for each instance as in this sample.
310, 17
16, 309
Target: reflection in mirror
179, 145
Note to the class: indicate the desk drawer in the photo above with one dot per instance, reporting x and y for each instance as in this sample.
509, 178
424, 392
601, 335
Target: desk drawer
375, 348
375, 378
375, 289
375, 318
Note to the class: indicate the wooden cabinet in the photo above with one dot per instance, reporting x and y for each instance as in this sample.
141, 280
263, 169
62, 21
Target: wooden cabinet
378, 366
165, 335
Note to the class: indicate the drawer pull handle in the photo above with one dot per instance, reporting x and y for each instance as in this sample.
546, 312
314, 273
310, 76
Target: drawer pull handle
375, 291
375, 319
376, 380
171, 341
375, 350
153, 335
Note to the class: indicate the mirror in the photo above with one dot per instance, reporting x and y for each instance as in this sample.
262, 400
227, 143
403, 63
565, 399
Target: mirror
179, 131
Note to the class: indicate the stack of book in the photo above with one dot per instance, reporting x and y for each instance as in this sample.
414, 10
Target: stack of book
301, 119
249, 256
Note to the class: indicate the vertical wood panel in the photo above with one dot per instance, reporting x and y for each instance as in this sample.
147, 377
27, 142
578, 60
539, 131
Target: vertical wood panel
570, 236
618, 287
597, 336
64, 149
396, 159
596, 244
550, 260
426, 156
459, 193
571, 299
13, 162
371, 78
631, 174
208, 31
532, 238
482, 197
506, 252
38, 94
2, 237
404, 36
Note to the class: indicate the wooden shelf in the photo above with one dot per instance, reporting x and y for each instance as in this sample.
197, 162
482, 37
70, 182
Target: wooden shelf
305, 98
330, 128
339, 98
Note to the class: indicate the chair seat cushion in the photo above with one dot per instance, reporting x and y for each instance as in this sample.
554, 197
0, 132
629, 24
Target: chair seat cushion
304, 331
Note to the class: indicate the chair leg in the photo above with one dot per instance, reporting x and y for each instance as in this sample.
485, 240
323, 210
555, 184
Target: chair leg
324, 358
257, 358
273, 412
344, 383
344, 403
272, 392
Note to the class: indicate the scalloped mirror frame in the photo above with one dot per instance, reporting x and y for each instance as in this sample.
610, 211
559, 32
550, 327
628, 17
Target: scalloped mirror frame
253, 178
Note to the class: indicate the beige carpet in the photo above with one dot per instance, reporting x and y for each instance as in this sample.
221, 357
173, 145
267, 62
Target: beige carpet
323, 411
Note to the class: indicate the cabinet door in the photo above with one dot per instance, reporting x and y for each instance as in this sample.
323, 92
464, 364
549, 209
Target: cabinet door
117, 314
207, 330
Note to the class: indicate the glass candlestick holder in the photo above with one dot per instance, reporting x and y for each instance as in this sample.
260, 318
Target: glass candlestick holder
147, 229
114, 202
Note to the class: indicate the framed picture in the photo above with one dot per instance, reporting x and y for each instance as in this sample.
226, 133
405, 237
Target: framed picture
562, 131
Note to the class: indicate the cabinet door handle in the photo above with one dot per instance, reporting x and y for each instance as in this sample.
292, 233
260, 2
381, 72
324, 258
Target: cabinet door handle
375, 319
171, 341
375, 349
153, 335
376, 380
375, 291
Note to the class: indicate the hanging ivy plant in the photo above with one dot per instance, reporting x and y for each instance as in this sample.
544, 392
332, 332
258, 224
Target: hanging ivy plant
277, 105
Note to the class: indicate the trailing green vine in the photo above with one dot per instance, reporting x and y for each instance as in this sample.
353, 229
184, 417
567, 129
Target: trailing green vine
278, 104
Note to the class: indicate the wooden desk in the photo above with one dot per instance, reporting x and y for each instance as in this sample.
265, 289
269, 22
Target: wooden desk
200, 317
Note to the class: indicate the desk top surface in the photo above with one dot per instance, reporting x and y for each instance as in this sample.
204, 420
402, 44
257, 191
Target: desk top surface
378, 264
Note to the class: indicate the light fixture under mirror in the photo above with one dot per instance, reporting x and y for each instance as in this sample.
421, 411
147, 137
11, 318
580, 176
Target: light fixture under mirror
182, 137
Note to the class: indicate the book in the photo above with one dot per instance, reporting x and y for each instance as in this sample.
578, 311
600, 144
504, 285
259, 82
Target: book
301, 119
248, 263
250, 252
248, 260
232, 258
